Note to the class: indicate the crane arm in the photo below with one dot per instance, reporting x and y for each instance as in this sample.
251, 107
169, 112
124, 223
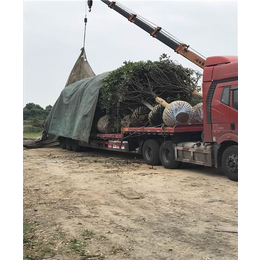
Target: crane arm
158, 33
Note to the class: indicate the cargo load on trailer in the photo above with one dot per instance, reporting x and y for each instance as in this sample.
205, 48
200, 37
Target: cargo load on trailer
100, 103
73, 112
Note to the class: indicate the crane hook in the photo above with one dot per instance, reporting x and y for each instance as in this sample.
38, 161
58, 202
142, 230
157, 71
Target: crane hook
90, 3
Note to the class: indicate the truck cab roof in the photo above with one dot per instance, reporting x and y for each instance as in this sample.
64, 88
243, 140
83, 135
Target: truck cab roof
220, 67
216, 60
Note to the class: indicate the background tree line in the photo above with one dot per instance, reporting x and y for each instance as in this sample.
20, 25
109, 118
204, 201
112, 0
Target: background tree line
34, 117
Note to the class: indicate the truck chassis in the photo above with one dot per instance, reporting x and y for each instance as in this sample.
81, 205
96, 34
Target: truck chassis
169, 146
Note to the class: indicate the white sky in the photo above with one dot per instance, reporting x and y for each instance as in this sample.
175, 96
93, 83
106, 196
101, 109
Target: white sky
53, 36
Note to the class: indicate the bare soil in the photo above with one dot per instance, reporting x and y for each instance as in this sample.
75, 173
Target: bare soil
108, 205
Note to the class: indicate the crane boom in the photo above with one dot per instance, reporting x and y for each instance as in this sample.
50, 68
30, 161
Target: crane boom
158, 33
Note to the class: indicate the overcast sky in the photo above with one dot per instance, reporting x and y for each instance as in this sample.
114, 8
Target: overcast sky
53, 36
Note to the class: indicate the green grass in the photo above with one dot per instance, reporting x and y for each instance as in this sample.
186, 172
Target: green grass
87, 234
36, 248
32, 128
32, 135
79, 246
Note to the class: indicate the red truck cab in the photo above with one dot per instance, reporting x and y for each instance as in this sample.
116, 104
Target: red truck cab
220, 99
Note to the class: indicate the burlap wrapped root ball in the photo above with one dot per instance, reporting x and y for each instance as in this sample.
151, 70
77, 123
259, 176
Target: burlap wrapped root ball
126, 121
139, 117
176, 113
197, 115
104, 124
108, 124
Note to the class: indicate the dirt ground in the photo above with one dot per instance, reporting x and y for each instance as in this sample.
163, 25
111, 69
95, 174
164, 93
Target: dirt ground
108, 205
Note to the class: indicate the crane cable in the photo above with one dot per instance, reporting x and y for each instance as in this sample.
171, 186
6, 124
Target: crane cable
88, 3
85, 25
167, 34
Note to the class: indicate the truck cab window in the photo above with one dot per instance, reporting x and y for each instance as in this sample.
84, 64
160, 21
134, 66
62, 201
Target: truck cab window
235, 99
225, 95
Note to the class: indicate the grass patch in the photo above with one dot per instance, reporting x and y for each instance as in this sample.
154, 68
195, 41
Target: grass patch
31, 130
77, 246
32, 135
34, 248
87, 234
28, 234
28, 227
38, 247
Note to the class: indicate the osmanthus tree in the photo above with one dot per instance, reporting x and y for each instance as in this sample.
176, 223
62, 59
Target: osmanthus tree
135, 84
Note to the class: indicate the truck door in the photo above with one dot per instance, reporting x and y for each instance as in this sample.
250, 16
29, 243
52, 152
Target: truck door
223, 115
234, 109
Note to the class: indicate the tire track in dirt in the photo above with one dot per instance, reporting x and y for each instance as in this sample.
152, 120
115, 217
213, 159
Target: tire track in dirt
135, 211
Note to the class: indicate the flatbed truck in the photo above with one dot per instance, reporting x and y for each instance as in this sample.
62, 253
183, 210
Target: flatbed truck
213, 143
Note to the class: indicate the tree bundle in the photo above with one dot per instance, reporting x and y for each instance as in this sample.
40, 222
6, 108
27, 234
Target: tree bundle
138, 83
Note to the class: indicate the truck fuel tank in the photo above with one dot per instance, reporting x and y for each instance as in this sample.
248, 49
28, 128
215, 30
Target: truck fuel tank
194, 152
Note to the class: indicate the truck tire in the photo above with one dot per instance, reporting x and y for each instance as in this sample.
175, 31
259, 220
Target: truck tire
75, 146
230, 162
167, 156
68, 144
150, 152
62, 141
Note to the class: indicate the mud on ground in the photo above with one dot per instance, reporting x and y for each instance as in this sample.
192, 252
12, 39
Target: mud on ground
107, 205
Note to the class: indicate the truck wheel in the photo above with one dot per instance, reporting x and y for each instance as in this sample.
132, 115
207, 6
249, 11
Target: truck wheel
68, 144
75, 146
167, 156
202, 136
62, 141
151, 152
230, 162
